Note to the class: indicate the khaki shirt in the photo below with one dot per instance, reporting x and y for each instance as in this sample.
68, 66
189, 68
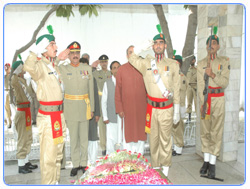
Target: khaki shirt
183, 89
48, 86
101, 76
220, 67
170, 78
18, 90
192, 76
6, 81
77, 81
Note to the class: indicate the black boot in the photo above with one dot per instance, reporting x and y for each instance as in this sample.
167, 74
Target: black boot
30, 166
204, 168
73, 172
23, 169
82, 168
211, 171
174, 153
104, 152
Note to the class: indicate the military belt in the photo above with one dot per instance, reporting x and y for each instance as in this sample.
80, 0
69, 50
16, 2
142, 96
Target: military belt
159, 104
23, 105
47, 108
215, 91
76, 97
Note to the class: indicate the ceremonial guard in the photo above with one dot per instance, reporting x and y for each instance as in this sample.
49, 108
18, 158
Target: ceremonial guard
22, 118
178, 129
78, 104
212, 100
50, 118
7, 69
101, 76
162, 80
192, 88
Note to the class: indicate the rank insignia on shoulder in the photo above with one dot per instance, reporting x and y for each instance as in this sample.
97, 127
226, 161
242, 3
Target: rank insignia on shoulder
149, 69
50, 73
100, 77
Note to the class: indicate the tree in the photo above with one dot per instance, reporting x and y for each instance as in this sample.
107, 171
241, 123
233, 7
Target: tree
61, 11
164, 26
190, 35
190, 38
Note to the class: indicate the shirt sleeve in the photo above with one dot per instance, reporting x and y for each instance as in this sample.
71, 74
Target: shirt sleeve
138, 63
91, 91
200, 82
177, 82
32, 67
104, 102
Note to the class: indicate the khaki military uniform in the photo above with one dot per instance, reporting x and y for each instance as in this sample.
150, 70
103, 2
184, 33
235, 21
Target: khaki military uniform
24, 139
178, 129
101, 76
7, 101
161, 119
48, 90
192, 88
212, 128
78, 105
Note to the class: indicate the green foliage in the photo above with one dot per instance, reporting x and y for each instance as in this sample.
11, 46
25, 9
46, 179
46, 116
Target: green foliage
19, 56
215, 30
91, 9
50, 29
186, 7
158, 26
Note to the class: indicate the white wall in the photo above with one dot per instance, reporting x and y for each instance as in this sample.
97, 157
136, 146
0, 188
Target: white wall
110, 33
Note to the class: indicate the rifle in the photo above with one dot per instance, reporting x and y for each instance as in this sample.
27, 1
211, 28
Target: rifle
206, 79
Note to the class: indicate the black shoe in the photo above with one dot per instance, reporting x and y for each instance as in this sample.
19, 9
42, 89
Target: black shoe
82, 168
104, 152
9, 126
174, 153
23, 169
74, 172
211, 171
30, 166
204, 168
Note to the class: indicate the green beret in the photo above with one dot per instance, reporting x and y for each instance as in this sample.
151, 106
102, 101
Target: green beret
159, 36
16, 64
48, 36
177, 57
214, 37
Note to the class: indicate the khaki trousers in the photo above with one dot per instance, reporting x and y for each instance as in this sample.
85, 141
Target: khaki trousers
78, 132
24, 139
50, 154
102, 133
191, 95
212, 130
7, 108
178, 133
160, 137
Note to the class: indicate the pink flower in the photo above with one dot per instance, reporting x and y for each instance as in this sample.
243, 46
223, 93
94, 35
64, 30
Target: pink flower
86, 168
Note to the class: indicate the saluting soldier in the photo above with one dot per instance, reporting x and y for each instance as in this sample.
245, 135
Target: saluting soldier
101, 76
78, 104
192, 88
213, 124
7, 69
22, 118
178, 129
50, 118
162, 81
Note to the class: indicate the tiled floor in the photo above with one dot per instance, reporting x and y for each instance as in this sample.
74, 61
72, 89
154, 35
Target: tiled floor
184, 171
